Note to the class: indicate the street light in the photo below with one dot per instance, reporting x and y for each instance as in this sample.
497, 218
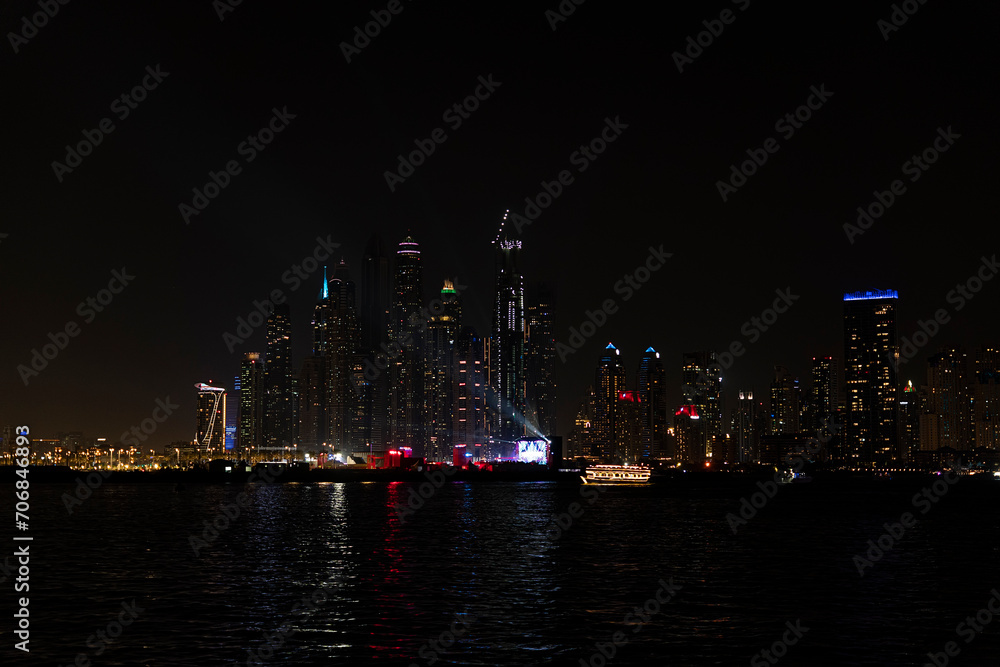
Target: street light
178, 450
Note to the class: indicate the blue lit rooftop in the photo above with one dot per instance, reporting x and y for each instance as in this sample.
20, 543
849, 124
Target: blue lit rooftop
871, 294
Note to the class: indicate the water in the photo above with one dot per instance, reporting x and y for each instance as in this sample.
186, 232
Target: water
535, 595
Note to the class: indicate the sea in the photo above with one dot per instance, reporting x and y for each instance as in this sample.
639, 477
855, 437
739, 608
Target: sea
447, 572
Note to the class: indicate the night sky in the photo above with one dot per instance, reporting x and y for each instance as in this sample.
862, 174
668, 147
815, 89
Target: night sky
323, 175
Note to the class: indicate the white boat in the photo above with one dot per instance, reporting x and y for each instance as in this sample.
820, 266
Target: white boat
610, 474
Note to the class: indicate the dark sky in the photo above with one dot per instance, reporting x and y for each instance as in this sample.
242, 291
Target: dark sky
323, 176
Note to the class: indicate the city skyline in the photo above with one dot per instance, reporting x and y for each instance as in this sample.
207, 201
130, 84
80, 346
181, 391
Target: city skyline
183, 284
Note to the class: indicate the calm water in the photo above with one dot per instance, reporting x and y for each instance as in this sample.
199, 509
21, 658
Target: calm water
487, 549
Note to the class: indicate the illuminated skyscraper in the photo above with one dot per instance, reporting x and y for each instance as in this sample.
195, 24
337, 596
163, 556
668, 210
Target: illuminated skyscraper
312, 404
745, 430
986, 395
442, 332
651, 386
507, 362
343, 350
870, 351
823, 393
785, 403
252, 392
469, 381
947, 419
211, 420
608, 387
376, 305
406, 368
701, 386
278, 378
540, 390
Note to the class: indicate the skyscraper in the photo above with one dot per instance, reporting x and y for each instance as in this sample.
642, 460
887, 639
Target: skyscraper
507, 362
312, 404
442, 332
540, 390
651, 387
745, 429
210, 416
469, 380
608, 387
343, 350
406, 369
986, 393
823, 393
376, 305
785, 403
278, 378
870, 354
947, 419
252, 392
701, 386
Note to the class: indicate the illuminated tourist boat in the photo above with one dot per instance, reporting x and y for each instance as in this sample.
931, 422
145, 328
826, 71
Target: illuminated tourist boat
609, 474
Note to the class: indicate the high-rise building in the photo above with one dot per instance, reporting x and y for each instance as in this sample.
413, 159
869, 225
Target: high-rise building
252, 392
823, 392
580, 442
651, 387
701, 386
745, 428
986, 394
870, 355
376, 306
628, 430
909, 422
211, 420
785, 403
406, 368
689, 435
312, 404
947, 419
540, 391
278, 378
469, 393
233, 416
343, 353
608, 387
507, 360
439, 387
